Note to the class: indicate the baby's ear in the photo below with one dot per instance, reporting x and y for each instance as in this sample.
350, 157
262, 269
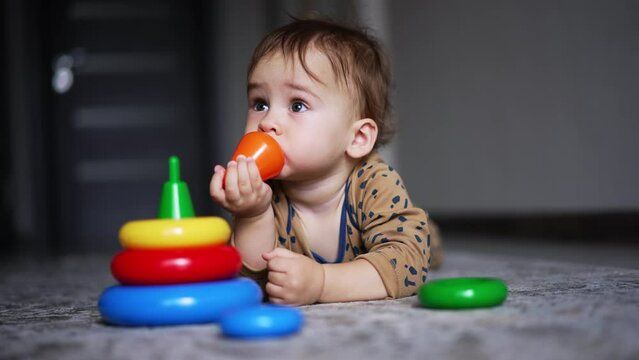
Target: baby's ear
364, 136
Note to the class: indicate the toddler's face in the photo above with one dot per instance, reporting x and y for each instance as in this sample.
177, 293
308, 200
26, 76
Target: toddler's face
309, 119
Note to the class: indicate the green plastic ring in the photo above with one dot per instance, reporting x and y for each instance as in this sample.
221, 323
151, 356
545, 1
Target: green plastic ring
463, 293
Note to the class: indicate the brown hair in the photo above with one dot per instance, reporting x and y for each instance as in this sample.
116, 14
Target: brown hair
357, 60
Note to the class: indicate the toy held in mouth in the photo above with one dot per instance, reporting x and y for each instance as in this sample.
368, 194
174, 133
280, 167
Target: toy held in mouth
266, 152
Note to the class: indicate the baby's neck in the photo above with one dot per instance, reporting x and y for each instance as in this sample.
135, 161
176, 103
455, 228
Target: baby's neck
319, 195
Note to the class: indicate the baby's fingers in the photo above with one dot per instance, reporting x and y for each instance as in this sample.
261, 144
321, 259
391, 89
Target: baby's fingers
254, 173
232, 191
215, 186
279, 264
277, 278
276, 300
274, 291
243, 179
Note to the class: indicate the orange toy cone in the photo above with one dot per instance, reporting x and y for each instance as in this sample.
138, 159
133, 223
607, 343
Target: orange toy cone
267, 153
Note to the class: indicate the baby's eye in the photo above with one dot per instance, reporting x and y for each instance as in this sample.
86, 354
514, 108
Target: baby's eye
260, 106
298, 106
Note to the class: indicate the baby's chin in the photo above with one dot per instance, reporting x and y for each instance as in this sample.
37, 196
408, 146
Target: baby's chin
284, 174
290, 175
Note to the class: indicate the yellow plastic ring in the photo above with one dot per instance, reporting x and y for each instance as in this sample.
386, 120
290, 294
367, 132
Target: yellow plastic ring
172, 233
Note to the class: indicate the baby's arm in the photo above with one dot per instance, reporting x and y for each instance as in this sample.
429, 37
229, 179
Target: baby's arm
394, 233
296, 279
240, 190
352, 281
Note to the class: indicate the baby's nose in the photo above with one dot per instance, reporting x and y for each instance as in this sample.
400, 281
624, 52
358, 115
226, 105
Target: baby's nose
269, 124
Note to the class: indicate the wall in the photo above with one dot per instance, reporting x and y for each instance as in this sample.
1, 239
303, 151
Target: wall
518, 106
236, 28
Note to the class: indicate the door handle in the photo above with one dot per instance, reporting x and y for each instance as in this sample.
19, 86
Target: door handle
63, 66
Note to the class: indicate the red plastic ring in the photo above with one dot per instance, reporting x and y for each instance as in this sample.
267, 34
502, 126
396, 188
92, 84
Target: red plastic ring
176, 266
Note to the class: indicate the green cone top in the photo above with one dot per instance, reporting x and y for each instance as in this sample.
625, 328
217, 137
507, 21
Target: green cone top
176, 201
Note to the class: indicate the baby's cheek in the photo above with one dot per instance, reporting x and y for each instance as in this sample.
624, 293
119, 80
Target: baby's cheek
251, 125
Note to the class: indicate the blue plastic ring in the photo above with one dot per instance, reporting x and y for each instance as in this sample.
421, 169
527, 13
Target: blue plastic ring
155, 305
261, 322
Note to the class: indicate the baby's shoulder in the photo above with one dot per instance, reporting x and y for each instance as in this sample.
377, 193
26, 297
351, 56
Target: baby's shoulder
374, 169
374, 183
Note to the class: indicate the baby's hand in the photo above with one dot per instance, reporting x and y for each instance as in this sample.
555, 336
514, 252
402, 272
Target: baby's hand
239, 189
293, 279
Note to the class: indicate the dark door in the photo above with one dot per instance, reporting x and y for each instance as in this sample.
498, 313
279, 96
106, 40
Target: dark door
123, 98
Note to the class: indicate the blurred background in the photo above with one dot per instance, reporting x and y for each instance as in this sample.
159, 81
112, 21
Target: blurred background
518, 120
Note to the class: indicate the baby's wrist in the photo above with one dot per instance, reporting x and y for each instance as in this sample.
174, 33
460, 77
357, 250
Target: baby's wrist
253, 217
321, 296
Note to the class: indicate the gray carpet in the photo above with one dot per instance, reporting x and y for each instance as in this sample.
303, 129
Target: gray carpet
555, 310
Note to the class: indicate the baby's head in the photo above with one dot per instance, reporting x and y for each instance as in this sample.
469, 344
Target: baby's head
357, 60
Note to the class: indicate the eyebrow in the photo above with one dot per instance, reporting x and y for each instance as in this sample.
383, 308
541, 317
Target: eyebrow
302, 88
294, 86
252, 85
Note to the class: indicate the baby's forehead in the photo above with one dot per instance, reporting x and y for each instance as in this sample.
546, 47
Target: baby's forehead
313, 61
317, 65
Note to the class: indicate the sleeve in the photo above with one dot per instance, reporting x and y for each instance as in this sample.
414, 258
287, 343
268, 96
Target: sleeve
394, 233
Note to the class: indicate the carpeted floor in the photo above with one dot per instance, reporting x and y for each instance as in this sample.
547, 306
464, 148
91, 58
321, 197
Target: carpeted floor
555, 310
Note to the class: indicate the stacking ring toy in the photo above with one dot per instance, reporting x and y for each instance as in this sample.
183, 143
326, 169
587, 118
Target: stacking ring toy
463, 293
155, 305
175, 266
171, 233
262, 321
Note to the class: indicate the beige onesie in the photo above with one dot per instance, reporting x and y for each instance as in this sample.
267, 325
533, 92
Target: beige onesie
379, 224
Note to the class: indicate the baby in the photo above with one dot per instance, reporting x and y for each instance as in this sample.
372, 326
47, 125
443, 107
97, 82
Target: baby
337, 223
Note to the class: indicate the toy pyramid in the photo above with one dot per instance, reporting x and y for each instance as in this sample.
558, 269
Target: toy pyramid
176, 269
